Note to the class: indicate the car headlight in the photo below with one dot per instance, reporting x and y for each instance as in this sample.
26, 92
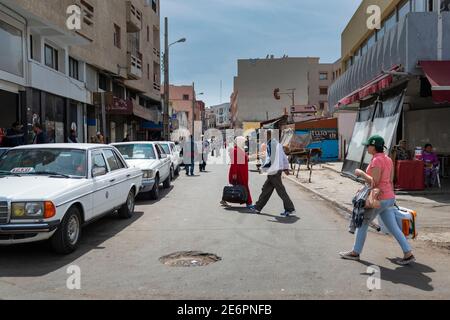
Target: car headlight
149, 174
32, 210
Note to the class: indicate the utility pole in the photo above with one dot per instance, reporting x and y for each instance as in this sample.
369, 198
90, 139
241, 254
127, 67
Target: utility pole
166, 128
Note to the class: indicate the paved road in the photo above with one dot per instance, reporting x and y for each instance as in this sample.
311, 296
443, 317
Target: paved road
263, 256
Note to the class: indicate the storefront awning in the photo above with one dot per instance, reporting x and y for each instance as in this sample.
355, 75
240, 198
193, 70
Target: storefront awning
438, 73
379, 83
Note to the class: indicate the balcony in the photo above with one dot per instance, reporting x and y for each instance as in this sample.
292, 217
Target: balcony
134, 18
413, 39
134, 65
88, 14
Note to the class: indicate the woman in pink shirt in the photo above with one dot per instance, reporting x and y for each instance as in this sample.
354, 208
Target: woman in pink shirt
380, 175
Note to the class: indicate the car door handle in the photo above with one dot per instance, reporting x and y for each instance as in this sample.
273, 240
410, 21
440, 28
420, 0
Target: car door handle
112, 180
128, 175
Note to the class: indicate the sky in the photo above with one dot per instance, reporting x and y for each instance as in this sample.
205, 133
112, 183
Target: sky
219, 32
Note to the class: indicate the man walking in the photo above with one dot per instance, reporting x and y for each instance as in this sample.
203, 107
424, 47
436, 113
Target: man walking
276, 163
189, 154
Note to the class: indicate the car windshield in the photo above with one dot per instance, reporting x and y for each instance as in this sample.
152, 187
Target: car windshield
136, 151
166, 148
54, 162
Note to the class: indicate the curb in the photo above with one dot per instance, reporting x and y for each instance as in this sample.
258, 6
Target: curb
324, 197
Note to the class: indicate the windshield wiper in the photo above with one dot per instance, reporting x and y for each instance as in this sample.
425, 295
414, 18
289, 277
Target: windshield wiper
51, 174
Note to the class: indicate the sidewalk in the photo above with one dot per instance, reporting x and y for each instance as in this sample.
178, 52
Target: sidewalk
433, 208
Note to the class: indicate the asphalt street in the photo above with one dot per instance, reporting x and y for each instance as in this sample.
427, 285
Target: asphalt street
263, 256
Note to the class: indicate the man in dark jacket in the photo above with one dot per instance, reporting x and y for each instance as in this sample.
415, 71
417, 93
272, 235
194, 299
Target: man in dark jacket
40, 137
14, 136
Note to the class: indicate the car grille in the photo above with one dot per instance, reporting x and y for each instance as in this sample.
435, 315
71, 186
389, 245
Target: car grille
4, 212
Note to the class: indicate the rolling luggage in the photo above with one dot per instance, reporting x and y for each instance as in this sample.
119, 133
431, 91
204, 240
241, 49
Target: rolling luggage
235, 194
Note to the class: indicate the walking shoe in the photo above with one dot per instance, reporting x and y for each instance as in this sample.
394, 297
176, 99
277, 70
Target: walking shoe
288, 213
407, 261
253, 209
349, 256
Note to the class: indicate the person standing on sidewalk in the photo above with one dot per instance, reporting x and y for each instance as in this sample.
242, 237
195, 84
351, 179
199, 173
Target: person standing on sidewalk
380, 175
275, 164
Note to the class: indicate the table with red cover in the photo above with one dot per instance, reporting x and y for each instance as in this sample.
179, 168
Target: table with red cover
410, 175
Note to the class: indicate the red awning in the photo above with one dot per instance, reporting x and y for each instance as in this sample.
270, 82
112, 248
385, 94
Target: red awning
379, 83
438, 73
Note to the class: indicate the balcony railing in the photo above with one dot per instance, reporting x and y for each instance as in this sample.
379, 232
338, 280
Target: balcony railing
134, 66
134, 18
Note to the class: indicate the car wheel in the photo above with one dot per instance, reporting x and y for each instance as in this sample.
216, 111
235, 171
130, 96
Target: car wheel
154, 193
177, 172
127, 210
67, 236
167, 182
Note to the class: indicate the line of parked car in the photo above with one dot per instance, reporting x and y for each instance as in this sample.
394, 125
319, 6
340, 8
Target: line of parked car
49, 192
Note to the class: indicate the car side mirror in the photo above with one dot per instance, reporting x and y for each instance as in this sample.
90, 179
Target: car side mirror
163, 156
98, 171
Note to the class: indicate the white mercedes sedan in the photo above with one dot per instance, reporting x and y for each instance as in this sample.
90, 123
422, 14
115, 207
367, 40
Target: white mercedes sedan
51, 191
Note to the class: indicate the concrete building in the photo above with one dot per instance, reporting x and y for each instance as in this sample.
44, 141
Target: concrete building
397, 77
104, 76
210, 119
222, 113
253, 98
180, 107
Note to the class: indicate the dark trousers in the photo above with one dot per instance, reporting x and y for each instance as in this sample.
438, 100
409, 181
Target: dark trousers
189, 169
274, 182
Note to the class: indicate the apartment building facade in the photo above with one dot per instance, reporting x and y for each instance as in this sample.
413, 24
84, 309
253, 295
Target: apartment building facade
181, 101
397, 76
253, 95
222, 113
103, 77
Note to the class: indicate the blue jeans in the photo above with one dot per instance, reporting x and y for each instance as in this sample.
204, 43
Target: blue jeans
387, 215
189, 169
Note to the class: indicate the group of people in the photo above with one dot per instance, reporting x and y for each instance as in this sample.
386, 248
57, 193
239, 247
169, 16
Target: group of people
428, 156
379, 175
193, 152
15, 136
276, 163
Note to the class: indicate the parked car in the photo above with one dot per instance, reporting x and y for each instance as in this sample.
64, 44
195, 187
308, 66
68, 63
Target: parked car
173, 151
51, 191
152, 160
3, 151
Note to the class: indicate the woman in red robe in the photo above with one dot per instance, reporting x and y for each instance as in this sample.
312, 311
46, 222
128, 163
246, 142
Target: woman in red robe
238, 174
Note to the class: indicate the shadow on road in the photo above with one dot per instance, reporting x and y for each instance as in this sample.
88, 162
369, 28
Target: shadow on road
412, 275
277, 219
37, 259
142, 199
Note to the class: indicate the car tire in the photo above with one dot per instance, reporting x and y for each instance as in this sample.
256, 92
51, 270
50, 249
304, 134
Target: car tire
154, 193
177, 171
67, 236
172, 173
127, 209
167, 182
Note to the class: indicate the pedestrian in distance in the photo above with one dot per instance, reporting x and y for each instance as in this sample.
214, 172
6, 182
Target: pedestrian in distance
73, 138
100, 138
380, 175
189, 152
275, 164
14, 136
238, 173
40, 137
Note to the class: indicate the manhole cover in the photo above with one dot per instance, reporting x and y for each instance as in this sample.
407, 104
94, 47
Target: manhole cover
189, 259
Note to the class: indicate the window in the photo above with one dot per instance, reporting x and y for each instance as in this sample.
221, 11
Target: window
159, 151
118, 91
420, 5
148, 33
323, 90
103, 82
98, 161
31, 47
51, 57
74, 69
323, 76
155, 5
111, 159
445, 5
119, 161
186, 97
148, 71
117, 36
136, 151
11, 49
